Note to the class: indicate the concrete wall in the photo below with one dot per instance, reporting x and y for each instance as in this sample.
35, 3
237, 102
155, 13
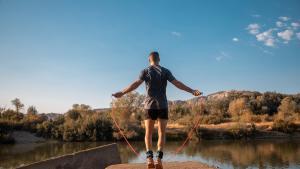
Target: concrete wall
95, 158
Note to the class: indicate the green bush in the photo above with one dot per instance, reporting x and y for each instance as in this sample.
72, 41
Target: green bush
212, 119
284, 126
241, 130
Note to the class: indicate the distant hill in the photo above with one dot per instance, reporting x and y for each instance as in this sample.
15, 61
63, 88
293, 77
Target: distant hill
101, 110
52, 116
225, 94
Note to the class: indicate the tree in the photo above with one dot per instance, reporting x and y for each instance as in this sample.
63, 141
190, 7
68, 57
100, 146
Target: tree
18, 105
287, 113
73, 114
287, 109
288, 105
32, 116
32, 110
10, 114
239, 107
128, 113
2, 109
129, 107
81, 107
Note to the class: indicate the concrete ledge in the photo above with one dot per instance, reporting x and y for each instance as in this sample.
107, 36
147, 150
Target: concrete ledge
168, 165
95, 158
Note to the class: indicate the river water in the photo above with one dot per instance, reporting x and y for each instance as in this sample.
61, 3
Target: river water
224, 154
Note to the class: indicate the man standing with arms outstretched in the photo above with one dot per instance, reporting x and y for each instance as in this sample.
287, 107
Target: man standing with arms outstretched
156, 104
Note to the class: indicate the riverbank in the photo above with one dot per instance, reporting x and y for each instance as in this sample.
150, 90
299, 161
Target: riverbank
177, 132
235, 130
232, 130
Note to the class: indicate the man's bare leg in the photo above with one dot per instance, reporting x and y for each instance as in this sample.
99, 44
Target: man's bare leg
162, 124
149, 125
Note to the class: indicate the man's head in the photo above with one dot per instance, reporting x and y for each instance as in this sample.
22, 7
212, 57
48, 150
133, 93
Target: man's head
154, 58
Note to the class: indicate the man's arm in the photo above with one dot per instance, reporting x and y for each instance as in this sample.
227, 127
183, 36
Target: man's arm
130, 88
182, 86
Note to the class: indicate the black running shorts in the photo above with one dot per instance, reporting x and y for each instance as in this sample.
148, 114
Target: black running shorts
154, 114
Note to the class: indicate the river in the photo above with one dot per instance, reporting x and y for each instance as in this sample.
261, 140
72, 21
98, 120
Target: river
224, 154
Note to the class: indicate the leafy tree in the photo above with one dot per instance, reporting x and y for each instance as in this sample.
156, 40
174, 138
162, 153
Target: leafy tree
18, 105
128, 113
178, 111
12, 115
73, 114
238, 108
2, 109
288, 106
287, 114
32, 110
81, 107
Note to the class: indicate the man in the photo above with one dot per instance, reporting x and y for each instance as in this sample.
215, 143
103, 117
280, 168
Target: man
156, 104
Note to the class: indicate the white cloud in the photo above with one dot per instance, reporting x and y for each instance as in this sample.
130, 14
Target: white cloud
284, 18
295, 25
283, 31
279, 24
270, 42
174, 33
235, 39
298, 35
266, 37
253, 28
286, 35
222, 56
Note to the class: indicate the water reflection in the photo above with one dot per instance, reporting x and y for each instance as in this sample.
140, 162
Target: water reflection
242, 154
12, 156
225, 154
233, 154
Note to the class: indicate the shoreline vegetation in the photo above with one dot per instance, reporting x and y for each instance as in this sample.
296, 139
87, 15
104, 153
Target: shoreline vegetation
223, 115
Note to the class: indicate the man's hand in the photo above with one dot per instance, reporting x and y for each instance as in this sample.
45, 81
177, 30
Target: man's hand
118, 94
197, 93
182, 86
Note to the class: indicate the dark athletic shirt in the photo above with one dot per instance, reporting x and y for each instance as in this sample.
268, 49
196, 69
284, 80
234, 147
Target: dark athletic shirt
156, 78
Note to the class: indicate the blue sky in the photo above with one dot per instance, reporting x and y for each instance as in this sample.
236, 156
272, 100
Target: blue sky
59, 52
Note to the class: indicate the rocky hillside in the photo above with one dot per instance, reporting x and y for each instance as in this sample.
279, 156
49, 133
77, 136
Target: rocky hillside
222, 95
